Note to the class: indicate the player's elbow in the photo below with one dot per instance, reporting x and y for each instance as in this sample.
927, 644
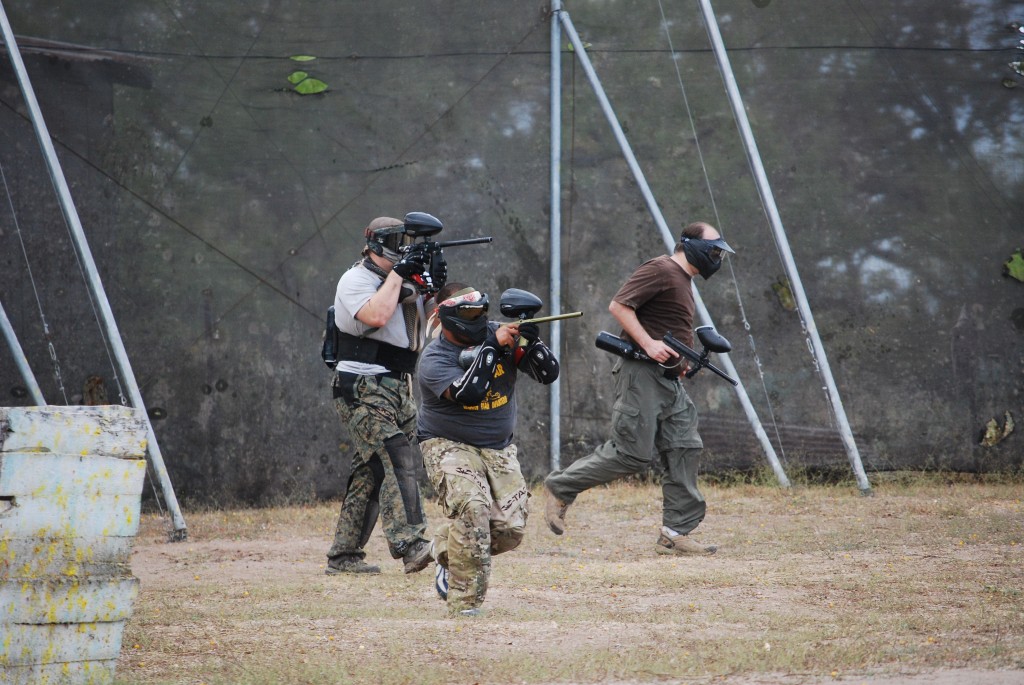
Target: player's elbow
373, 318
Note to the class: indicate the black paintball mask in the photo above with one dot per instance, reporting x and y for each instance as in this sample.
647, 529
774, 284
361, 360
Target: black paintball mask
385, 242
465, 317
705, 255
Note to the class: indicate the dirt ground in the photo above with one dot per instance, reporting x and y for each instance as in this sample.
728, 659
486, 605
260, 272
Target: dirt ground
247, 582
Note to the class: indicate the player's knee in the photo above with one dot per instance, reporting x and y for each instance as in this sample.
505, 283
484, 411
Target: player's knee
506, 539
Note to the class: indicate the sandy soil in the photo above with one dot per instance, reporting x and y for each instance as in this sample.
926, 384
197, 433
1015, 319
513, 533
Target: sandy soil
286, 556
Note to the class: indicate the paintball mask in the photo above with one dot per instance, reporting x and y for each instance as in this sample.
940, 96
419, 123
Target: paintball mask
706, 255
465, 316
385, 241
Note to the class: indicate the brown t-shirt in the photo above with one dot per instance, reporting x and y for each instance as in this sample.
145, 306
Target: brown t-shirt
661, 293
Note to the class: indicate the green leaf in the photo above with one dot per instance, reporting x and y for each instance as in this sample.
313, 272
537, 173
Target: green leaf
1014, 268
302, 58
784, 293
311, 86
296, 76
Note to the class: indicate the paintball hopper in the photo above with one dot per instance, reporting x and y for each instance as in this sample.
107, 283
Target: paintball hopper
522, 304
519, 304
712, 340
421, 224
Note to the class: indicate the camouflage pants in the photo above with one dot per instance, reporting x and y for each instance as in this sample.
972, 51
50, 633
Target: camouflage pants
484, 497
379, 414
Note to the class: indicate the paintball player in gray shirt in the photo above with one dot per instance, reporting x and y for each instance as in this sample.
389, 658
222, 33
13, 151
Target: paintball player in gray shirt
380, 318
467, 415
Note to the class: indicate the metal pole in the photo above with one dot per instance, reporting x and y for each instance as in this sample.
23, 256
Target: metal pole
670, 240
767, 197
93, 280
20, 359
555, 411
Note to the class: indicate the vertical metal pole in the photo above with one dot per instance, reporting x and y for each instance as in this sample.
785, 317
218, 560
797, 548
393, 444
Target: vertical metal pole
555, 411
93, 280
20, 359
670, 240
764, 188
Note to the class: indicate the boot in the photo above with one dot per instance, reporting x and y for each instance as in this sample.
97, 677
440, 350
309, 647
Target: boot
682, 545
554, 512
418, 557
352, 566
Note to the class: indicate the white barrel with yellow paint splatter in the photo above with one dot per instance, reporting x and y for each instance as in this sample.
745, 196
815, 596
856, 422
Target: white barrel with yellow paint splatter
70, 491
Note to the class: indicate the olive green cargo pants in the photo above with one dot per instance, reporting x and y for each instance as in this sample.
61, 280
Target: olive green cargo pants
651, 414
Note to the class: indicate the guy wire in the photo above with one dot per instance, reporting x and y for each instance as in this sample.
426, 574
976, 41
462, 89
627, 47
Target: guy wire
96, 317
718, 223
35, 291
778, 250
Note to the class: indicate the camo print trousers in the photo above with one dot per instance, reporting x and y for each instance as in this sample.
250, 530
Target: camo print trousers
483, 495
374, 410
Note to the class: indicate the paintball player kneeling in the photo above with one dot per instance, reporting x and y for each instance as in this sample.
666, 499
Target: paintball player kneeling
467, 415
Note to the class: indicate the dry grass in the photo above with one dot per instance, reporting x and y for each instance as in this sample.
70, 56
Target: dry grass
818, 582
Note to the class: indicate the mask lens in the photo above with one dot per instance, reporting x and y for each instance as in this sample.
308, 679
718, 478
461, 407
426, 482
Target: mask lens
470, 312
716, 254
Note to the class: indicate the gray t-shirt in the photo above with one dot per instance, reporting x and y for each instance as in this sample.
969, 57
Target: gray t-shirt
489, 424
356, 287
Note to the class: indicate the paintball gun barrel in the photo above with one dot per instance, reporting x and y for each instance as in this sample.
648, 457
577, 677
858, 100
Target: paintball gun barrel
423, 225
708, 336
555, 317
522, 304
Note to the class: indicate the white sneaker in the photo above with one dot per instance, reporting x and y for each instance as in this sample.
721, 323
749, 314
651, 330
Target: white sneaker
441, 581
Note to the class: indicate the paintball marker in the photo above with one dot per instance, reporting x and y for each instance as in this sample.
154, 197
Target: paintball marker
522, 304
708, 336
516, 304
423, 225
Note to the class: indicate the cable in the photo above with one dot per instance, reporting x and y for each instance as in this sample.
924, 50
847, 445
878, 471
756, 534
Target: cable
718, 223
35, 291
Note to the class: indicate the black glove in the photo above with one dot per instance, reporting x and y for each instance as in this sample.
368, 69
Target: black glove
529, 332
438, 271
413, 263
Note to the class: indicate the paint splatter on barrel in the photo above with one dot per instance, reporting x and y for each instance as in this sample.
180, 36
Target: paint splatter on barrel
70, 491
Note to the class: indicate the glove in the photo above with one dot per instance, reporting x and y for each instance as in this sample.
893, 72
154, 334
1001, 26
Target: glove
438, 271
530, 332
412, 264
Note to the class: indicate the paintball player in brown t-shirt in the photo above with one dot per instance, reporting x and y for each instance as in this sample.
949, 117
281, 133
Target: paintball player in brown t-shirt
652, 412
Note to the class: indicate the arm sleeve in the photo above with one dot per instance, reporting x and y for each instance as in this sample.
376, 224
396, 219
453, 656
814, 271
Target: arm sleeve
642, 285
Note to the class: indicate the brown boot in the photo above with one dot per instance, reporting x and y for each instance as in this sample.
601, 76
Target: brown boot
682, 545
417, 558
554, 512
352, 566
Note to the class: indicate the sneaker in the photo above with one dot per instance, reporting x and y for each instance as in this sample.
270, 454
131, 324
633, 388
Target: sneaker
355, 566
418, 557
441, 581
682, 544
472, 613
554, 512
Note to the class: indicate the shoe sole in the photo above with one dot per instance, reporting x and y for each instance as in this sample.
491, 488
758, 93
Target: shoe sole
418, 566
439, 578
681, 553
339, 572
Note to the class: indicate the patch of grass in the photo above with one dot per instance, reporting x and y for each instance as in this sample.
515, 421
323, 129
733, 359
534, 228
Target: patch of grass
812, 581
